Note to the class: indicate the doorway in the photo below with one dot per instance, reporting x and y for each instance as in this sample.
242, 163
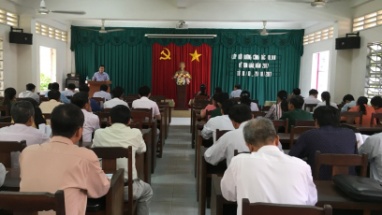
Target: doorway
47, 67
320, 71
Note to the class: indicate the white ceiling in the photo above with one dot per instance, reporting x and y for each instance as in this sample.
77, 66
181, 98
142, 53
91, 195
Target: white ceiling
238, 14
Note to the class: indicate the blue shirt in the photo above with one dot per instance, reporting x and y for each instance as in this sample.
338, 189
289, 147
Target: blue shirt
100, 77
327, 139
349, 105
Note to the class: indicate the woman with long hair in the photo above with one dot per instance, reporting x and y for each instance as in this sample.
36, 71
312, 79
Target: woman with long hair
9, 98
326, 100
366, 110
245, 98
276, 111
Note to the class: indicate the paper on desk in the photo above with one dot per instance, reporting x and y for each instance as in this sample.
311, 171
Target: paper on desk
109, 176
360, 139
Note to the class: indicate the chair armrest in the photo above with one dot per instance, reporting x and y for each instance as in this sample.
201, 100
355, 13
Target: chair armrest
115, 196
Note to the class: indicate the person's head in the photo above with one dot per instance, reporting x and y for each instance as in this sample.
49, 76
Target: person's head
282, 98
103, 87
117, 92
49, 86
54, 94
182, 65
221, 98
120, 114
295, 102
81, 100
326, 116
260, 132
313, 92
296, 91
226, 106
347, 98
362, 102
101, 68
22, 112
218, 90
9, 94
144, 91
245, 97
239, 114
84, 88
237, 87
71, 86
325, 96
203, 89
55, 86
376, 102
67, 120
30, 87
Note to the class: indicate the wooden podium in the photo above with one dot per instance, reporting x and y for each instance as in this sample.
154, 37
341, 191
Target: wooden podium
95, 85
181, 91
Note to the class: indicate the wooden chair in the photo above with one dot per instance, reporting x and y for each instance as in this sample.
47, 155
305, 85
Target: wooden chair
109, 157
103, 119
351, 116
5, 124
47, 116
158, 99
284, 209
281, 123
4, 111
6, 119
377, 118
202, 97
30, 203
310, 107
197, 105
265, 108
340, 163
256, 114
6, 147
304, 123
99, 100
298, 130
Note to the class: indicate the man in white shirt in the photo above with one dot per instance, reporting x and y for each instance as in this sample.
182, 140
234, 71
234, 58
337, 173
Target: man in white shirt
2, 174
267, 174
117, 94
70, 90
30, 93
312, 98
236, 91
54, 101
348, 102
22, 113
373, 148
219, 122
119, 134
103, 92
145, 103
91, 122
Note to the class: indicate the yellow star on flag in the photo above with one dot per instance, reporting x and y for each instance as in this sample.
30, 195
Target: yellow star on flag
195, 56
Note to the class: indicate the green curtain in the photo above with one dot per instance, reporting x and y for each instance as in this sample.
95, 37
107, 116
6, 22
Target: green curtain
128, 59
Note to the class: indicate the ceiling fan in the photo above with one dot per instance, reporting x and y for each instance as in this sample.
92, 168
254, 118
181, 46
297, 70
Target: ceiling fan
265, 32
103, 29
313, 3
44, 10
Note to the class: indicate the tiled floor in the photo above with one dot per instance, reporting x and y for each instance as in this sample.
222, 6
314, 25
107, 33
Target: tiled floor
173, 181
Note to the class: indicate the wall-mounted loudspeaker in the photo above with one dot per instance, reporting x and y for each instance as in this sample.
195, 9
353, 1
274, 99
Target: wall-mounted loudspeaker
17, 35
351, 41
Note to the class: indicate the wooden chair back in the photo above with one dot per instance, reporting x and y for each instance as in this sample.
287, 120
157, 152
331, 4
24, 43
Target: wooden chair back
284, 209
352, 116
158, 99
340, 163
99, 100
304, 123
201, 97
142, 115
310, 107
281, 123
31, 203
6, 119
220, 133
377, 118
4, 110
43, 99
298, 130
47, 116
103, 118
5, 124
6, 147
236, 152
256, 114
265, 108
200, 104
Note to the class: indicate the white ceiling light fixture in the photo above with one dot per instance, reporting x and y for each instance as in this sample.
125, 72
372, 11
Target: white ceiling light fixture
44, 11
181, 36
313, 3
181, 25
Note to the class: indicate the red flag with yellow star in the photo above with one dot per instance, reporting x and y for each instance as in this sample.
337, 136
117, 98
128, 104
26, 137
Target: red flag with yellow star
166, 60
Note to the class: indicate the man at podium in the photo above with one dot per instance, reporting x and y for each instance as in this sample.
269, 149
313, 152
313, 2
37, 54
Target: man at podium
101, 75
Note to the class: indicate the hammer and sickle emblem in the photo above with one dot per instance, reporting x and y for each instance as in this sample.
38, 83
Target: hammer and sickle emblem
165, 54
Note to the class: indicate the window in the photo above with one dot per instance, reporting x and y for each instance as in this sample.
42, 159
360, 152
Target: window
48, 31
318, 36
367, 21
373, 85
1, 68
9, 18
320, 71
47, 67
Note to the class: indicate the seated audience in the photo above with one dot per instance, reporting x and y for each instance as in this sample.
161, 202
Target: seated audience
245, 98
373, 148
210, 107
218, 90
91, 122
225, 146
328, 138
367, 111
312, 98
96, 107
117, 94
145, 103
325, 97
61, 165
202, 91
55, 86
30, 93
348, 102
220, 99
376, 103
38, 117
9, 98
3, 172
236, 91
295, 112
267, 174
276, 111
220, 122
54, 101
119, 134
102, 93
70, 91
296, 92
